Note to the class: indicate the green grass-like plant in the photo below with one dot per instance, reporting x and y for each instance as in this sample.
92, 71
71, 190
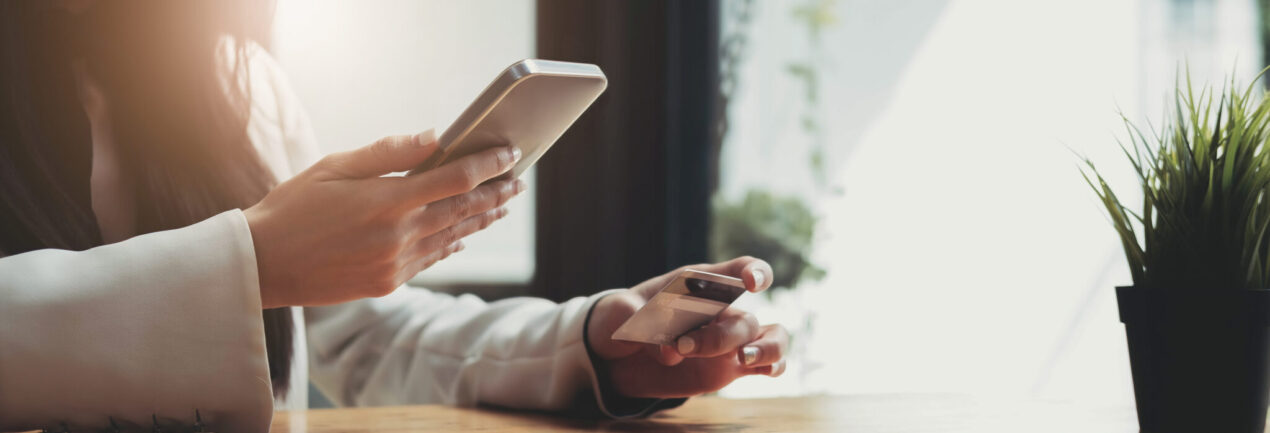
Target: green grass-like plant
1205, 179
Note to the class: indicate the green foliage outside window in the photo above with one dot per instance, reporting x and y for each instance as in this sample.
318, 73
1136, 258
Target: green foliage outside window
776, 228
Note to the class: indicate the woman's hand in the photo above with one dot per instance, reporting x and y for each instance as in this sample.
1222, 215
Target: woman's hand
339, 231
704, 360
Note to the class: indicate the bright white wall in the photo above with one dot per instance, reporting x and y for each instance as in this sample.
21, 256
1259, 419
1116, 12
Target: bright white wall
965, 253
371, 68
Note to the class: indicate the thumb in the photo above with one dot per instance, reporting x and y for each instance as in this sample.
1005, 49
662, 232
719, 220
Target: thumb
387, 155
608, 314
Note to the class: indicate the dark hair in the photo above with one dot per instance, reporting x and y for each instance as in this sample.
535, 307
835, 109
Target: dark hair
178, 116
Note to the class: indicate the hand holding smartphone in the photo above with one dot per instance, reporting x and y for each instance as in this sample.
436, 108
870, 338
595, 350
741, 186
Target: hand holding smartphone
529, 106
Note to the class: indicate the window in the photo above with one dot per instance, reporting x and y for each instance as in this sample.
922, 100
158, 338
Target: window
374, 68
929, 141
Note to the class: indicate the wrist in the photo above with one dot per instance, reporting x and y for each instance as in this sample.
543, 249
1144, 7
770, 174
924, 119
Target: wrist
590, 329
608, 400
257, 224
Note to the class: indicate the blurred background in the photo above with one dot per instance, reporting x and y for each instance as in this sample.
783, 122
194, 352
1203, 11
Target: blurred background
909, 167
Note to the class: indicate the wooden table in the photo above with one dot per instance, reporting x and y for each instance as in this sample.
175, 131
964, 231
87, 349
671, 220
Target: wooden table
852, 414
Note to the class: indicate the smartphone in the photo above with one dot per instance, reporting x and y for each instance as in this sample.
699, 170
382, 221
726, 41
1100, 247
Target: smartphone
529, 105
688, 302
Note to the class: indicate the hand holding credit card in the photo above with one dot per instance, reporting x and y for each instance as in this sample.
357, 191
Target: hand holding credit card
678, 334
688, 302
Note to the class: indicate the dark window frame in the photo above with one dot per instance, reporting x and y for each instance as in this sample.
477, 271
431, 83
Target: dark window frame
625, 194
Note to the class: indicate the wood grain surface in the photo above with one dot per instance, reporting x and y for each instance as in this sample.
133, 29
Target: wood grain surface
851, 414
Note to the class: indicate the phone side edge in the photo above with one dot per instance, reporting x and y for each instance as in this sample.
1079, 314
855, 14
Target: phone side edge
471, 116
496, 91
709, 276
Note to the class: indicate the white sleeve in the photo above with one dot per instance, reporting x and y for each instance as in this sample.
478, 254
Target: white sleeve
417, 346
164, 323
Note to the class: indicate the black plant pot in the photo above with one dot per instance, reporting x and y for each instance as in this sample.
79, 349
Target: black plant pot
1199, 358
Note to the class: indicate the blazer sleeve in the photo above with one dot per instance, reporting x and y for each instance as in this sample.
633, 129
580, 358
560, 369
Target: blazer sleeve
415, 346
164, 323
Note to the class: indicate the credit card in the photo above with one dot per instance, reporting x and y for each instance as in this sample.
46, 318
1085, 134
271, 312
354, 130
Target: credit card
690, 301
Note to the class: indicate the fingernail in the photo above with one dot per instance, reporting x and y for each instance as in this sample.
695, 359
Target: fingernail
456, 246
502, 212
425, 137
758, 278
749, 354
686, 345
521, 186
777, 369
516, 154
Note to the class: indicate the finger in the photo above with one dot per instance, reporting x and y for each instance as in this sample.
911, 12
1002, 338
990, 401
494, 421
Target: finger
437, 216
724, 335
768, 349
425, 262
387, 155
638, 377
778, 369
664, 355
457, 232
652, 286
755, 273
774, 370
459, 176
647, 289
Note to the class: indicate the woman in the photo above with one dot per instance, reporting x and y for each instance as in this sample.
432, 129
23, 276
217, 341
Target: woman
165, 214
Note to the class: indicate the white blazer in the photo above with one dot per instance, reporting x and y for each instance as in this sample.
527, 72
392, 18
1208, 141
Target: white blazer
169, 322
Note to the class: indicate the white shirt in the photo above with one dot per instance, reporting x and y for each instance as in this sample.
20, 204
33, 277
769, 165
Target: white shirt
169, 322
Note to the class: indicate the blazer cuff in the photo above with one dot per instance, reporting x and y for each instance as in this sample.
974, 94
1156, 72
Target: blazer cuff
160, 324
607, 400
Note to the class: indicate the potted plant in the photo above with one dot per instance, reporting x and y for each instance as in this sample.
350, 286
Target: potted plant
1198, 248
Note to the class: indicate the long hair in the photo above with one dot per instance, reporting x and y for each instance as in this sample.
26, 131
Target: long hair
178, 116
